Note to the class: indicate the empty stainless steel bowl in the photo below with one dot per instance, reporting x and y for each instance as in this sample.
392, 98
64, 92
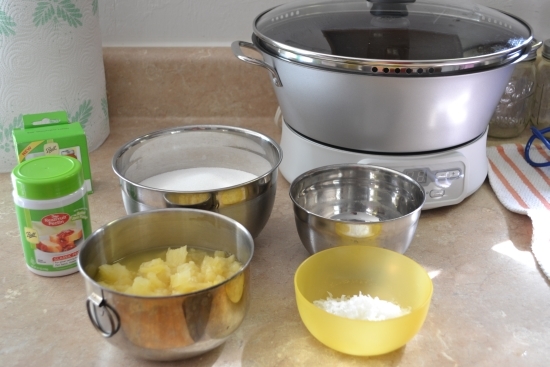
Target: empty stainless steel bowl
167, 327
202, 147
349, 204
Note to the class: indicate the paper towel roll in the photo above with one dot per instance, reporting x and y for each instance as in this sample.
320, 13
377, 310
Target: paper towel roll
51, 59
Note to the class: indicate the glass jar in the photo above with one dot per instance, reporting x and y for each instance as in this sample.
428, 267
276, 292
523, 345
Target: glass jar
541, 109
513, 112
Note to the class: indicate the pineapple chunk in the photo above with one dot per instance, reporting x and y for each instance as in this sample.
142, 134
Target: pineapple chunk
148, 287
174, 257
184, 271
115, 276
141, 286
196, 256
154, 270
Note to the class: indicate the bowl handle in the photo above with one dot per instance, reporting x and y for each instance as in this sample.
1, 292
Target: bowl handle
236, 48
92, 304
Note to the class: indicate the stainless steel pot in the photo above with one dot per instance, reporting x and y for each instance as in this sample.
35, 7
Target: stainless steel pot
169, 327
408, 78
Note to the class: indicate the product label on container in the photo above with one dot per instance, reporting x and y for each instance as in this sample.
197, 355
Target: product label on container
52, 238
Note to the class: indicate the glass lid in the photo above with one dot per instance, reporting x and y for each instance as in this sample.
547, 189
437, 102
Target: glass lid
407, 37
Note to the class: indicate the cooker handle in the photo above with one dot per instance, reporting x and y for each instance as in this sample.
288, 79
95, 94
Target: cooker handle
236, 48
524, 55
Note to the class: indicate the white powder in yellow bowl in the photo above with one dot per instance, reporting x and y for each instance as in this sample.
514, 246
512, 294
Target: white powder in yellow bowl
361, 307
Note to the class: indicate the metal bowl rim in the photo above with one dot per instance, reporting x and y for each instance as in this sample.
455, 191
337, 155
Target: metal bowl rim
238, 226
327, 168
182, 129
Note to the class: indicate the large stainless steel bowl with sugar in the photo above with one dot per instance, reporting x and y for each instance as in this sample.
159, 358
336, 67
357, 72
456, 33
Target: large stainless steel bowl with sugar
350, 204
225, 169
164, 328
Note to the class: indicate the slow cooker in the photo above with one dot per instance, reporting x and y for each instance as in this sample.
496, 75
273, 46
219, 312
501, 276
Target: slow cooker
387, 78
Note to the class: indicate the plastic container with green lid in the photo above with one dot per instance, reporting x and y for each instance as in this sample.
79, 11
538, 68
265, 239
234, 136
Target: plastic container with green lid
52, 210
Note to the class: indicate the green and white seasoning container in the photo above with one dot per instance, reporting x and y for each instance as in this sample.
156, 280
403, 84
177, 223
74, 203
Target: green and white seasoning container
51, 203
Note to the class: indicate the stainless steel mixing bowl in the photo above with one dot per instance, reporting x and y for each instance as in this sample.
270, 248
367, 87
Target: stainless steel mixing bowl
200, 146
349, 204
169, 327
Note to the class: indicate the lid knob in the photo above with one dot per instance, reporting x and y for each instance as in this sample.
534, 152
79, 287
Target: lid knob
390, 8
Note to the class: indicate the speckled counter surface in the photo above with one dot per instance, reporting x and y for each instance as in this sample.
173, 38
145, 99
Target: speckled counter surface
490, 305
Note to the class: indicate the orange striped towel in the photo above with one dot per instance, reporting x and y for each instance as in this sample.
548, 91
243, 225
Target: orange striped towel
524, 189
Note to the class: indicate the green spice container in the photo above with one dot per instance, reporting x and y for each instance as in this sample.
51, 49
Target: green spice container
51, 204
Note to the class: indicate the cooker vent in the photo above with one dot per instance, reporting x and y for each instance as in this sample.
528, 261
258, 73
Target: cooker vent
405, 71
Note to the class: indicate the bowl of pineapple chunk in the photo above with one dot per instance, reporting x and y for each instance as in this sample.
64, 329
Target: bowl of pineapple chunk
167, 284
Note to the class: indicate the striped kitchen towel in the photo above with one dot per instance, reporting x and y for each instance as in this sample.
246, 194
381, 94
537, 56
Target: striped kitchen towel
524, 189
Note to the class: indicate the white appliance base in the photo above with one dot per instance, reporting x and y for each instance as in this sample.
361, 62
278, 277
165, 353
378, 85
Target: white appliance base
448, 177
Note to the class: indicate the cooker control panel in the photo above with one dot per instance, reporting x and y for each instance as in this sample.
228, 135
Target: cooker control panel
443, 178
439, 180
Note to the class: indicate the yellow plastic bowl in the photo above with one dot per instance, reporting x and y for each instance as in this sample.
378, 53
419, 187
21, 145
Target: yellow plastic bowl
374, 271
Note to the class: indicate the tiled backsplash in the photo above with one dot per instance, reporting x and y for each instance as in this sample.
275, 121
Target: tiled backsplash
185, 82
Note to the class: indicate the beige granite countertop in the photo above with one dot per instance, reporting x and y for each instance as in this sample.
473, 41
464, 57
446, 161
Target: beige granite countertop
490, 307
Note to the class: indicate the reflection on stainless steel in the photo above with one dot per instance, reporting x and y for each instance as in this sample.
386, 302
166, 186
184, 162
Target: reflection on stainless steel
169, 327
356, 204
196, 311
250, 203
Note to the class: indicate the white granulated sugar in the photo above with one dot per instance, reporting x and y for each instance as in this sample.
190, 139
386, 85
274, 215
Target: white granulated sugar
198, 179
361, 307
